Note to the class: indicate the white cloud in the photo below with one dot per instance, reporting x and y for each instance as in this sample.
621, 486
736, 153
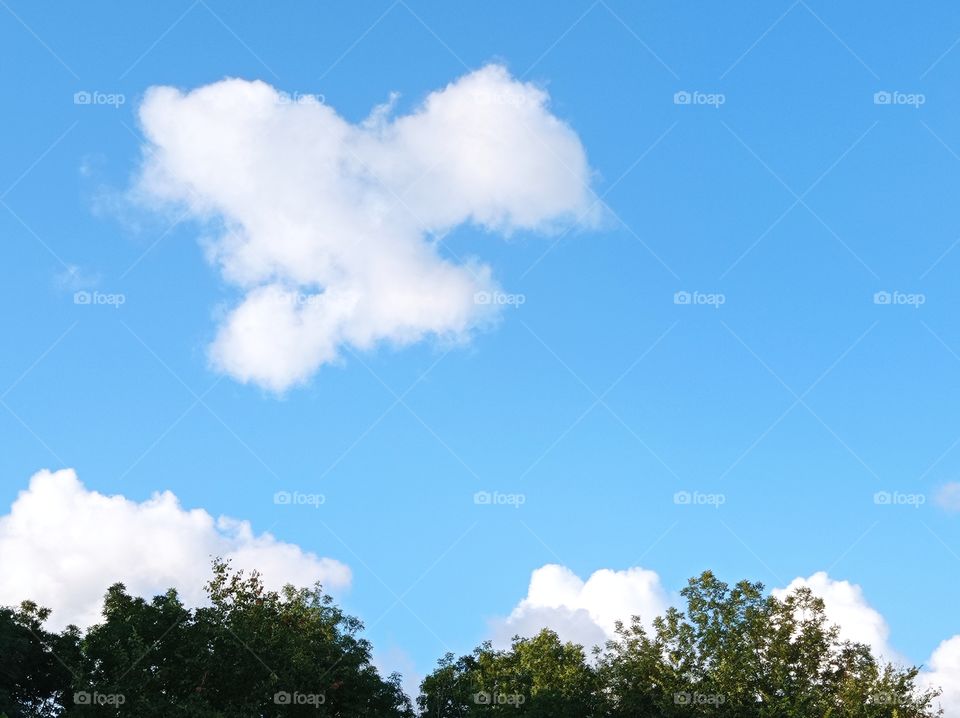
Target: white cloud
330, 229
948, 496
944, 672
62, 545
584, 612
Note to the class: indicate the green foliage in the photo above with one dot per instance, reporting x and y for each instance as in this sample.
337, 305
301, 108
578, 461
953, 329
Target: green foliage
250, 652
34, 677
538, 676
734, 652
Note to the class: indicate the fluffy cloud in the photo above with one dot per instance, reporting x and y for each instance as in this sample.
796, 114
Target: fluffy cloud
944, 672
948, 496
331, 229
62, 545
584, 612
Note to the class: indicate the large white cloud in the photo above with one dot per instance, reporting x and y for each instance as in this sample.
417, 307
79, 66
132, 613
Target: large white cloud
62, 545
331, 229
585, 612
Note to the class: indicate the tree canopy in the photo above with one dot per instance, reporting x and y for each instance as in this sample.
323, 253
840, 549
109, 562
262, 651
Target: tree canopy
734, 651
730, 652
250, 652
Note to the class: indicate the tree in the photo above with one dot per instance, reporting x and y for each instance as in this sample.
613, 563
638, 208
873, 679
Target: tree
734, 652
539, 676
738, 652
250, 652
34, 674
731, 652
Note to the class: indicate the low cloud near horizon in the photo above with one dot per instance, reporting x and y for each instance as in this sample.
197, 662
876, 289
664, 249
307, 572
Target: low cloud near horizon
584, 612
330, 230
62, 545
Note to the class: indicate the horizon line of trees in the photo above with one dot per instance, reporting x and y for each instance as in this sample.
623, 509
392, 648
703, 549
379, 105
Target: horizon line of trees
733, 651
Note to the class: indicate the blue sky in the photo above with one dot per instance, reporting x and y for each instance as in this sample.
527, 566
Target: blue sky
796, 200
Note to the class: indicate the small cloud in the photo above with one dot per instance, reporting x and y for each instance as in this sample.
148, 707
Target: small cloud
948, 497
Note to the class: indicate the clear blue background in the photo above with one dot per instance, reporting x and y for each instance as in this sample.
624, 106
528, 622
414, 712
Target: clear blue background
884, 418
